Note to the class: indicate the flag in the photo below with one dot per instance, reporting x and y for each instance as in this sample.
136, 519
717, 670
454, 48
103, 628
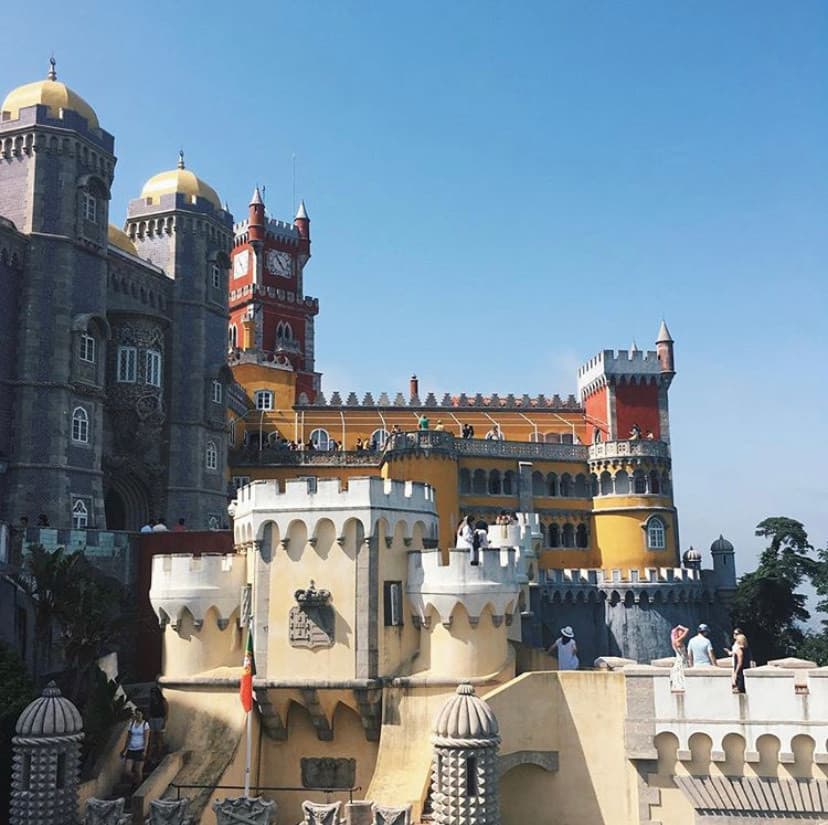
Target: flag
246, 683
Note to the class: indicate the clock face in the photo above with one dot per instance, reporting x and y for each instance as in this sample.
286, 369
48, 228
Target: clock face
279, 263
241, 263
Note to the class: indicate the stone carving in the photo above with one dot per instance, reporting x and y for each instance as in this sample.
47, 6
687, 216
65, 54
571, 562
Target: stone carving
321, 814
106, 812
169, 812
235, 811
327, 772
311, 623
386, 815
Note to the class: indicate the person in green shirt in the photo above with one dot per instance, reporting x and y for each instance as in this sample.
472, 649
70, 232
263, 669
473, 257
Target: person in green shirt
422, 423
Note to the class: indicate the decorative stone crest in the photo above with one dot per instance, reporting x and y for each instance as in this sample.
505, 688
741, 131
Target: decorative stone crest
327, 772
321, 814
106, 812
311, 623
169, 812
385, 815
241, 809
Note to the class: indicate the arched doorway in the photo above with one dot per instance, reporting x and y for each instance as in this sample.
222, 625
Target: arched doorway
127, 503
115, 511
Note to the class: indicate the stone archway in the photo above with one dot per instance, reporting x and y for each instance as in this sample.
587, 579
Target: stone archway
127, 503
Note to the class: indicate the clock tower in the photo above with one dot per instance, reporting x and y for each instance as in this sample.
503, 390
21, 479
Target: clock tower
271, 318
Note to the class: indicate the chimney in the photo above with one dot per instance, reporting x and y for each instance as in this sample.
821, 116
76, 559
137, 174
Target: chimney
413, 387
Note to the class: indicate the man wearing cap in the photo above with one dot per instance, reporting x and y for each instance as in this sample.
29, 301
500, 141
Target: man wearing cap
699, 650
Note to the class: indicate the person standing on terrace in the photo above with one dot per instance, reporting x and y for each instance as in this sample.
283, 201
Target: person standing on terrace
422, 422
494, 433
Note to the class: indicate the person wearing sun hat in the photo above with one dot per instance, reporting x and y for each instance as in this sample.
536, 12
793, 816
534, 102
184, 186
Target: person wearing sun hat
565, 648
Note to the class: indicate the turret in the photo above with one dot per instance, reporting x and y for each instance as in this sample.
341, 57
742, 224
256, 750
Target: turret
256, 217
302, 222
724, 563
664, 348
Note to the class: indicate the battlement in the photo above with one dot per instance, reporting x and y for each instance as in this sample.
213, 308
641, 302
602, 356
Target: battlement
186, 582
606, 578
442, 587
274, 230
634, 365
476, 401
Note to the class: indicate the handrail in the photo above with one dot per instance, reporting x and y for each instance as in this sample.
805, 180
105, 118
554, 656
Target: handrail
179, 787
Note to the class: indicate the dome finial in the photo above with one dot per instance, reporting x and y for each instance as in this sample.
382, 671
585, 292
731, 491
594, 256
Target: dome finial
180, 158
52, 71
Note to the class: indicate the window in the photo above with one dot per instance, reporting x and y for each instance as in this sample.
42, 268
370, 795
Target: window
465, 481
232, 335
656, 534
554, 535
127, 361
153, 367
538, 488
565, 486
263, 399
80, 515
494, 483
217, 392
89, 207
320, 440
568, 535
231, 433
284, 331
211, 457
392, 603
639, 482
581, 536
508, 483
240, 481
215, 276
479, 482
378, 439
471, 776
80, 425
87, 348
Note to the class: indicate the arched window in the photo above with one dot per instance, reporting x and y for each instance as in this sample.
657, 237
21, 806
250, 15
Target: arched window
665, 483
479, 481
567, 438
656, 535
217, 391
606, 484
639, 482
211, 456
320, 439
580, 486
284, 331
554, 535
622, 483
568, 535
232, 336
465, 481
552, 484
494, 483
263, 399
537, 484
566, 485
655, 486
508, 483
593, 484
80, 425
581, 538
378, 439
80, 514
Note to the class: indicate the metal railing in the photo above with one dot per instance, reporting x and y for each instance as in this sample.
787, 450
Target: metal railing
258, 788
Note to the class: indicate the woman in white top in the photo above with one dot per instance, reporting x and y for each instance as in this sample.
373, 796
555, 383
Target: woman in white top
566, 650
465, 534
135, 746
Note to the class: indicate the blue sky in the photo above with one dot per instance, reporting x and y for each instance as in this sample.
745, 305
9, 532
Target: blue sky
499, 190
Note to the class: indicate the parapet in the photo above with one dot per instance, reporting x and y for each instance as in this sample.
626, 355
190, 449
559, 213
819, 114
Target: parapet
634, 365
510, 401
432, 584
183, 581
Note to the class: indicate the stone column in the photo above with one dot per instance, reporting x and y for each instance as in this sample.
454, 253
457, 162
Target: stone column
46, 761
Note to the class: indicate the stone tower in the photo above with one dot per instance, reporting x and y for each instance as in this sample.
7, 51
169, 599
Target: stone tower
179, 225
464, 772
56, 168
46, 761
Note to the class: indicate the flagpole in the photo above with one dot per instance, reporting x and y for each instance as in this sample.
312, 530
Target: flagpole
248, 752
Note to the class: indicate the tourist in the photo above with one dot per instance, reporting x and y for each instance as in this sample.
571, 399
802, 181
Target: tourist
650, 436
150, 525
310, 446
677, 636
422, 422
494, 433
439, 425
181, 526
358, 446
635, 432
396, 430
158, 712
160, 526
135, 747
465, 534
741, 659
699, 650
566, 650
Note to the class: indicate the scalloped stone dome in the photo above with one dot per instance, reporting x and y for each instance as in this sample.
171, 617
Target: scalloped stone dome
179, 181
52, 93
465, 716
692, 555
721, 545
50, 715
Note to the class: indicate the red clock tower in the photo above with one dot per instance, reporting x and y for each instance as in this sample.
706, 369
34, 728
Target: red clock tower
271, 318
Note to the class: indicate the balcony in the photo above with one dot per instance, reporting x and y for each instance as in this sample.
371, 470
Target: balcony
252, 456
640, 448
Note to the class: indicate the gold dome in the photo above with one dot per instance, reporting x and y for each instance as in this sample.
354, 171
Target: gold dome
52, 93
179, 181
118, 238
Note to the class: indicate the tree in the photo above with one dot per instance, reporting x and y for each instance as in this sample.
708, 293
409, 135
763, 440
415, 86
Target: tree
766, 605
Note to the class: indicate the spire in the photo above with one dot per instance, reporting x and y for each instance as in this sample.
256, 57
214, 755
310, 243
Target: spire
302, 213
181, 159
52, 71
256, 200
633, 347
664, 334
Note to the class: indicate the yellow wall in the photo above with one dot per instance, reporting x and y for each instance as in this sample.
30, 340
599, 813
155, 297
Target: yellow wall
189, 650
623, 540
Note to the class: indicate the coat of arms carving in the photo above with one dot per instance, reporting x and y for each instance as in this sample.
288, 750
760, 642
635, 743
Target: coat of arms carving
311, 621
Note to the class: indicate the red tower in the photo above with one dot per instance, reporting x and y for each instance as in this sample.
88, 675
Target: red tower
271, 318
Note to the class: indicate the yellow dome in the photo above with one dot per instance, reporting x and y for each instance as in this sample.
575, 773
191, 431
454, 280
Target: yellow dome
179, 181
120, 239
52, 93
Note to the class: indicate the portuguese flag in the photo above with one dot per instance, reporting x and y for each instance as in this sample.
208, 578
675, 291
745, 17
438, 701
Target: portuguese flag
246, 683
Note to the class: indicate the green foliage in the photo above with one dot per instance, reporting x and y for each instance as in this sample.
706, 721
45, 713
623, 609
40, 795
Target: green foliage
814, 646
